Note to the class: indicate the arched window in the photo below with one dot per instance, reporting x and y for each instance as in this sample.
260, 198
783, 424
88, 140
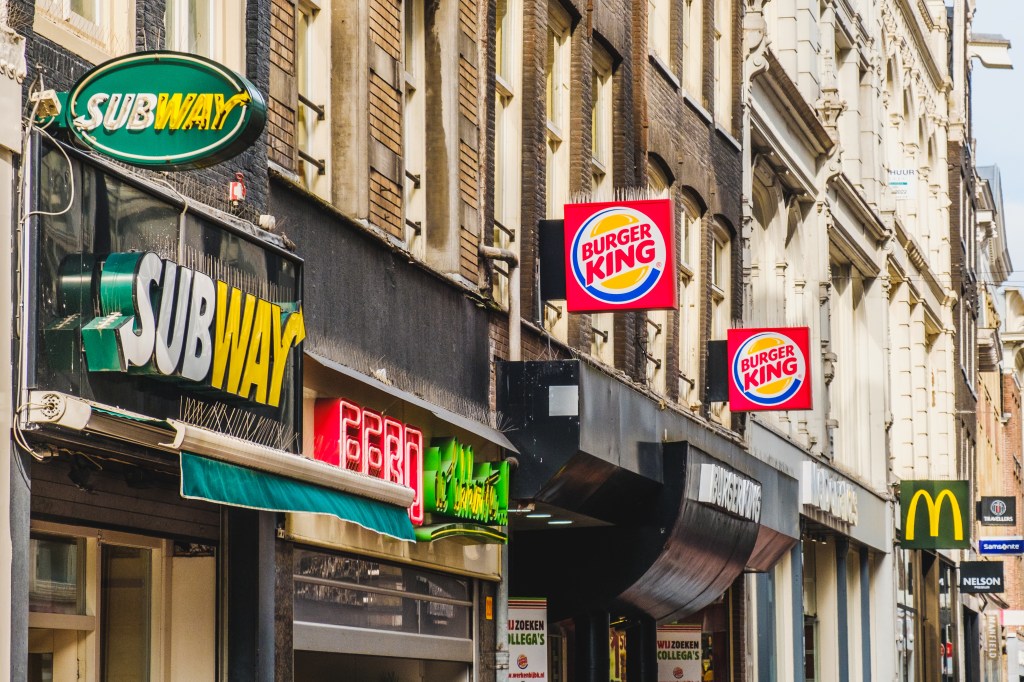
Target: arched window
659, 182
690, 210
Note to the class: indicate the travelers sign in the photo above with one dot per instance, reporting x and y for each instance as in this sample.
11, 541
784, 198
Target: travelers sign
165, 110
769, 369
619, 256
981, 577
997, 511
945, 522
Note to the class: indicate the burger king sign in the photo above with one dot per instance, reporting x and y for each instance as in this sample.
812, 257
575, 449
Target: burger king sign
769, 369
620, 256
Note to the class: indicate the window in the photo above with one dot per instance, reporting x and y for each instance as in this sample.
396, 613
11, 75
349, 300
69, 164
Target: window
723, 63
557, 84
414, 128
659, 185
94, 29
210, 28
688, 316
601, 136
693, 49
312, 129
507, 135
95, 605
659, 30
721, 298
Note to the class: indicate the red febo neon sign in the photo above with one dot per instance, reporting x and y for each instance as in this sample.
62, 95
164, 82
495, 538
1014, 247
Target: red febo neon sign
620, 256
365, 441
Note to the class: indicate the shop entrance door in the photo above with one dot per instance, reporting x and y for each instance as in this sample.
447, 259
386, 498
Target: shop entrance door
315, 666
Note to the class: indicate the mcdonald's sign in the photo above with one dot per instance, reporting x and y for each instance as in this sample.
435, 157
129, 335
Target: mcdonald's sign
935, 514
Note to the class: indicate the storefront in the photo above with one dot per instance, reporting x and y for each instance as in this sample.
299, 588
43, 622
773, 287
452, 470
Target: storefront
635, 523
833, 586
157, 334
367, 606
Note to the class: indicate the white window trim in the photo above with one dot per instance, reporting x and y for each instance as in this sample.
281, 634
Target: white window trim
159, 627
227, 19
603, 110
96, 43
414, 209
508, 143
317, 90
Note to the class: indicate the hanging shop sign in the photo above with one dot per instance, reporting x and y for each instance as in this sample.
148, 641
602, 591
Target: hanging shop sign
365, 441
935, 514
679, 653
1011, 544
527, 639
165, 110
823, 489
729, 491
769, 369
981, 577
997, 511
165, 320
993, 635
620, 256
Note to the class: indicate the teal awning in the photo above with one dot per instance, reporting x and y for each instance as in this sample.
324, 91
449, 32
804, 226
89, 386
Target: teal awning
214, 481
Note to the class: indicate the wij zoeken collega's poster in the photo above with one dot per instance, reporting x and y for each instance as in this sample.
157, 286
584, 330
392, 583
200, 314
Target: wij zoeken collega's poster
679, 653
528, 639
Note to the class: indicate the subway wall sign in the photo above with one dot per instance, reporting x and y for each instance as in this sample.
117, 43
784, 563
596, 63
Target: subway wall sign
165, 320
620, 256
769, 369
165, 110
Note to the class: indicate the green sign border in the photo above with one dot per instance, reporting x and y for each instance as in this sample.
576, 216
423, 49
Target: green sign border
934, 525
242, 135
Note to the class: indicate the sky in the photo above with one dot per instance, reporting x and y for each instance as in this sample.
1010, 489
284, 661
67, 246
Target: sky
998, 108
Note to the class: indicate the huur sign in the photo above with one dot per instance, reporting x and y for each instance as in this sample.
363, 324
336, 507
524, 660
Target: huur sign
935, 514
165, 110
768, 369
981, 577
165, 320
620, 256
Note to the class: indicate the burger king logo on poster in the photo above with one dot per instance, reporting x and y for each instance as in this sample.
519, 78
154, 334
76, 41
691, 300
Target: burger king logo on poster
677, 673
523, 662
769, 368
618, 255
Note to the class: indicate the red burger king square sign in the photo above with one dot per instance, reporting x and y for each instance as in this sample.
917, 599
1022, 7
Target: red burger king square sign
769, 369
620, 256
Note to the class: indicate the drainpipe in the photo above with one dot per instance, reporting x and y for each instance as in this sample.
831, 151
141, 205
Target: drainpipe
501, 659
514, 314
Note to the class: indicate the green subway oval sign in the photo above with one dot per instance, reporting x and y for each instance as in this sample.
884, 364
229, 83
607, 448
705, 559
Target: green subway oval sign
166, 110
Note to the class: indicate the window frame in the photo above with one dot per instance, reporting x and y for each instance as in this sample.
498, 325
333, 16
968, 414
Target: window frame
95, 41
227, 45
602, 116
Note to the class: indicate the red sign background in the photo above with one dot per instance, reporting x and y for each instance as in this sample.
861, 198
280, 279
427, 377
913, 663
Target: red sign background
766, 361
620, 256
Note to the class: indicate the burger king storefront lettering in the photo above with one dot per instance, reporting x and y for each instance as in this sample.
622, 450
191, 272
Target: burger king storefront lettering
769, 369
619, 256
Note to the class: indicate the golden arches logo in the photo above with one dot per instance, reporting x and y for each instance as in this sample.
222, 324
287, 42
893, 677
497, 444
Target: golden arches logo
934, 507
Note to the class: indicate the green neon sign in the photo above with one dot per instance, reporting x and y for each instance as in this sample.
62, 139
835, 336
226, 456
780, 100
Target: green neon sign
165, 110
454, 486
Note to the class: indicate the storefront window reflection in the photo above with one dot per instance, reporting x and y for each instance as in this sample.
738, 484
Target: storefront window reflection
353, 592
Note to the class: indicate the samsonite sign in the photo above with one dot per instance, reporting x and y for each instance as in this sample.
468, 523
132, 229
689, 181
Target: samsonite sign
620, 256
165, 110
981, 577
935, 514
769, 369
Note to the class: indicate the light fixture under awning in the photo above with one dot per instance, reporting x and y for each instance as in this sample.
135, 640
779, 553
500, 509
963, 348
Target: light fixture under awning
213, 481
